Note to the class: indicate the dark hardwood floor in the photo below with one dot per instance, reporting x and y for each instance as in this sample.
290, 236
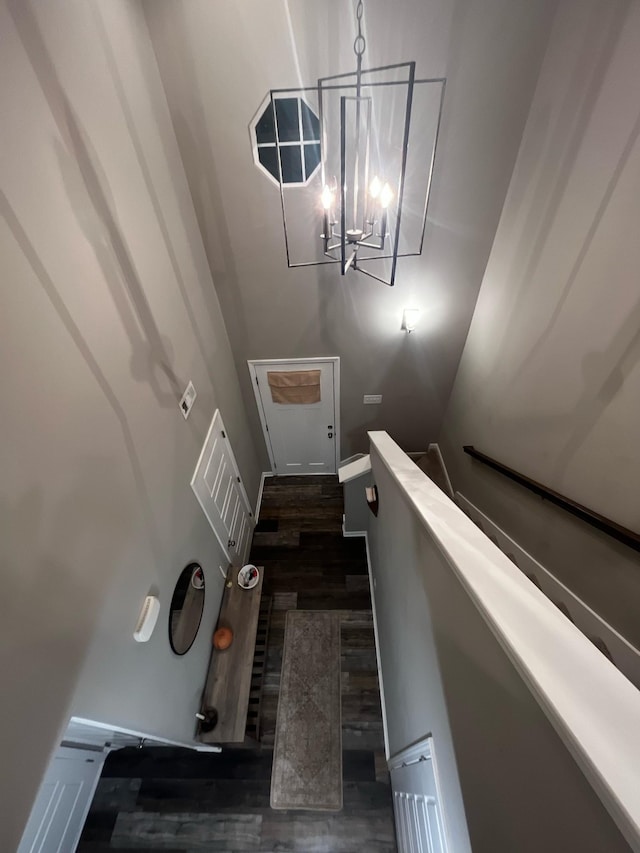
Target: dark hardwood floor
176, 800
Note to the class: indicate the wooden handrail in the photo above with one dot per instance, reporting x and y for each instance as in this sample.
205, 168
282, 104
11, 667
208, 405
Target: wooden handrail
611, 528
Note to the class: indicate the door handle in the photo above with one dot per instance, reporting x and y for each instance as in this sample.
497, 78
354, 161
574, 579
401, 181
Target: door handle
330, 435
231, 543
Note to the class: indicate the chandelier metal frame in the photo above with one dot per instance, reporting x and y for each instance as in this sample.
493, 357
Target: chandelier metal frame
342, 244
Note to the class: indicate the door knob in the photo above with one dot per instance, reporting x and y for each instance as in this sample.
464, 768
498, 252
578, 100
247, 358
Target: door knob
330, 435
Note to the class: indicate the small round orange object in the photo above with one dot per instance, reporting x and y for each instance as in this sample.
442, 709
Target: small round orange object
222, 638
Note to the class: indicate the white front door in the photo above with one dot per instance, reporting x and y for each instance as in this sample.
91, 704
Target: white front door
64, 798
301, 437
416, 801
218, 487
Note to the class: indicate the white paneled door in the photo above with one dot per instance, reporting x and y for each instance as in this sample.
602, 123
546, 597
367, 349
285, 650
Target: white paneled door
221, 494
64, 798
416, 801
302, 435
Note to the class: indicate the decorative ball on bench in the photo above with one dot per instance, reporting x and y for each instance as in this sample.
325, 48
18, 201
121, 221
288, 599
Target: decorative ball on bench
222, 638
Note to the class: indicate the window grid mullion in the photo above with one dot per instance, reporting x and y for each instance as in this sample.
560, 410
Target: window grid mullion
300, 144
302, 161
287, 144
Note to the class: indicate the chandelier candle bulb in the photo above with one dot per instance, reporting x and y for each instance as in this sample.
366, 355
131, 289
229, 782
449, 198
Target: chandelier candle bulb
386, 195
374, 191
326, 198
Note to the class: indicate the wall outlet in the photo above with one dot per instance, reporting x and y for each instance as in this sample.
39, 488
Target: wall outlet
372, 399
188, 399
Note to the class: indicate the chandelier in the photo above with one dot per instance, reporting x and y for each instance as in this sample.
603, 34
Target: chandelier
365, 205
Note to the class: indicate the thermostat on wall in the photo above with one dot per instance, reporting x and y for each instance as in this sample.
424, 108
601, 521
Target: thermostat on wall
147, 619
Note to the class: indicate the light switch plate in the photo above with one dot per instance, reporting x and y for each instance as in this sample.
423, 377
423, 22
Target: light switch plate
372, 399
188, 399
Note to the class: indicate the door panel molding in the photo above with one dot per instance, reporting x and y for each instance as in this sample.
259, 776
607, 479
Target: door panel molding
417, 800
60, 809
217, 485
252, 364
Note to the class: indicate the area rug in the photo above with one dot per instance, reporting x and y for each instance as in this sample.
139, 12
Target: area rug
307, 758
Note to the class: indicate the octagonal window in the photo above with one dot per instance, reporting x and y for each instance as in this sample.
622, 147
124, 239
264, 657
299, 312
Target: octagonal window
286, 136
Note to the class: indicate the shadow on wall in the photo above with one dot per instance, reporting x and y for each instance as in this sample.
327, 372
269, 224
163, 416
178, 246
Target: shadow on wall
144, 168
577, 266
83, 348
209, 207
201, 174
200, 168
151, 360
604, 375
151, 353
588, 77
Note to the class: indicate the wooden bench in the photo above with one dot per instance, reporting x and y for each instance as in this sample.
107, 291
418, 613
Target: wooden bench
229, 676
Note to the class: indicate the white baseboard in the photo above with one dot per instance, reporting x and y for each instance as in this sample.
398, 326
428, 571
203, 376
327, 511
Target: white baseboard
151, 739
263, 477
383, 705
436, 447
347, 533
624, 654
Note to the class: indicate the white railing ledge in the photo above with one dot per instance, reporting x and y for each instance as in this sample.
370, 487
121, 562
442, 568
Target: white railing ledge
592, 706
354, 469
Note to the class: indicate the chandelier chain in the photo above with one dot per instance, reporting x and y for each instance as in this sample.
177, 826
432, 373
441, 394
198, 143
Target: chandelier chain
360, 44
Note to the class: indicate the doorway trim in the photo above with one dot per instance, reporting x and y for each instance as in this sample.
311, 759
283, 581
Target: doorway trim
276, 362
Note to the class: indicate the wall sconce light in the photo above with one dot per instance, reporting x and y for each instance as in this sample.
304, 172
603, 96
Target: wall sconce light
410, 319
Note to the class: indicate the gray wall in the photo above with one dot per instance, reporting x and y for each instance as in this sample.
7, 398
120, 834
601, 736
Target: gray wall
218, 61
108, 309
356, 510
445, 674
549, 382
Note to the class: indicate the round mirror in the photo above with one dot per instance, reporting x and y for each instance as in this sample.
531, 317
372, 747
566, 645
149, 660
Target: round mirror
187, 605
